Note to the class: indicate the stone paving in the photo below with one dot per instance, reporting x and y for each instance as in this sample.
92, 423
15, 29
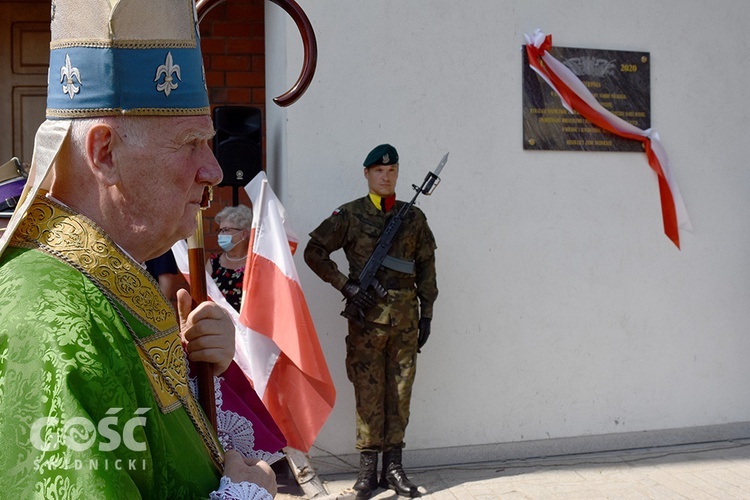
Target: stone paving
716, 470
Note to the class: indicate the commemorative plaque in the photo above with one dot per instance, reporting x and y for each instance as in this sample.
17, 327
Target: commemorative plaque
620, 82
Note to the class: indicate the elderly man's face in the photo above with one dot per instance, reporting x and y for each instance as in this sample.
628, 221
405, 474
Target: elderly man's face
163, 176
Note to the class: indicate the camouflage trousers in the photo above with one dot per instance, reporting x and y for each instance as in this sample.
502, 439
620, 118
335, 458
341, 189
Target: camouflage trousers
381, 362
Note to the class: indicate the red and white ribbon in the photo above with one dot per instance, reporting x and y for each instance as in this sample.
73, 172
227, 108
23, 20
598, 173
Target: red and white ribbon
577, 98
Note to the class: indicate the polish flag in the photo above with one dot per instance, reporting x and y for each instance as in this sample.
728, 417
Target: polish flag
281, 352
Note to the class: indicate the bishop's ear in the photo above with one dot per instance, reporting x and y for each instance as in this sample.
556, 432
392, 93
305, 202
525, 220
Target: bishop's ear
101, 141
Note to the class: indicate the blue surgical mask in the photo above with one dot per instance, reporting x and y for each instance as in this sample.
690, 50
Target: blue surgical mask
226, 243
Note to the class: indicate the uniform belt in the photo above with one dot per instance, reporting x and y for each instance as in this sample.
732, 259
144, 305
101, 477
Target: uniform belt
397, 283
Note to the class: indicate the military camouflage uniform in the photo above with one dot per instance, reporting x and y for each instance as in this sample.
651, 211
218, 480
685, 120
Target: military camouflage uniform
381, 355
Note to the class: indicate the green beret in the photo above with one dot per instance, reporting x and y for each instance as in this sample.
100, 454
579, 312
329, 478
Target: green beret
385, 154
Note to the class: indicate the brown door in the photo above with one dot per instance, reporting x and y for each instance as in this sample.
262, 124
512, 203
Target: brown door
24, 58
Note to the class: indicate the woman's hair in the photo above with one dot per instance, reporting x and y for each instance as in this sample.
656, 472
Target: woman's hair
239, 216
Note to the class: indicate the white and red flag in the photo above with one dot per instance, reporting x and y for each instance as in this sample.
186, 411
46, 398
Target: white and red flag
276, 345
576, 97
287, 364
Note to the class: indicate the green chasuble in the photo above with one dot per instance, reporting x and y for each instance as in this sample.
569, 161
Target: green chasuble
94, 398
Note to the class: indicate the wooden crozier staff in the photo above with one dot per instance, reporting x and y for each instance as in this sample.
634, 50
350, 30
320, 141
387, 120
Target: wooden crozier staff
299, 462
196, 254
197, 267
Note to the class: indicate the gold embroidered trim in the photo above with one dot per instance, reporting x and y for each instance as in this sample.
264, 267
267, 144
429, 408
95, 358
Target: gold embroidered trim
124, 44
166, 351
79, 240
93, 112
50, 226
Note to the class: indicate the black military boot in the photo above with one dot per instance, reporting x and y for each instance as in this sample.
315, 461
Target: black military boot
367, 479
394, 477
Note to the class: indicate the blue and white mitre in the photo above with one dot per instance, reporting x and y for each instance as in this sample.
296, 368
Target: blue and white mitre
110, 57
114, 57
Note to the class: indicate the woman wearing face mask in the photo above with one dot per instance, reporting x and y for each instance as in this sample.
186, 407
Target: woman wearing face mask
228, 267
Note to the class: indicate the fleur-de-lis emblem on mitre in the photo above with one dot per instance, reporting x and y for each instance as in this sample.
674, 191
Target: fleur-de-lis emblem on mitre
67, 73
167, 69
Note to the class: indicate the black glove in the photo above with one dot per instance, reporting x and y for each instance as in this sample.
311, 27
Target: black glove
355, 295
424, 331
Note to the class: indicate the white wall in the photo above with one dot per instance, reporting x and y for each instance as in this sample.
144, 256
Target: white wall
564, 311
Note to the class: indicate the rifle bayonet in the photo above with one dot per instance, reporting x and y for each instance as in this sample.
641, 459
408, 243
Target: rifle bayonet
433, 178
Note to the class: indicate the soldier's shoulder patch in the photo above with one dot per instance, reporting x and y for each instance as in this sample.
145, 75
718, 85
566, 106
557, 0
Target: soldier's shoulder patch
337, 211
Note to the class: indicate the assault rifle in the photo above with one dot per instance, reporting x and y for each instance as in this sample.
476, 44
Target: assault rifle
367, 280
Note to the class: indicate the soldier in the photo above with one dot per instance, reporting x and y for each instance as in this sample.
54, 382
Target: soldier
381, 351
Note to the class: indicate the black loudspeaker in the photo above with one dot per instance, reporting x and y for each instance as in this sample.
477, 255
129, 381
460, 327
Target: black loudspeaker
238, 143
